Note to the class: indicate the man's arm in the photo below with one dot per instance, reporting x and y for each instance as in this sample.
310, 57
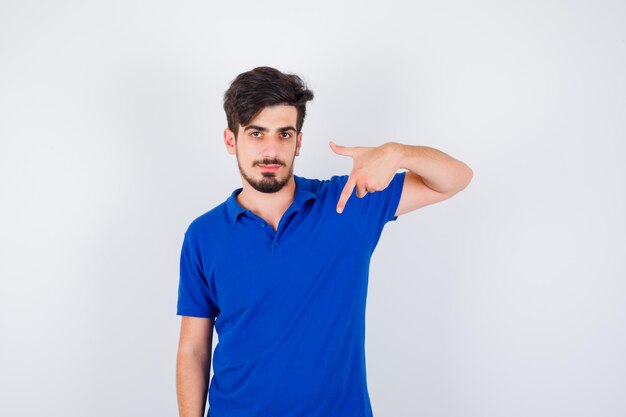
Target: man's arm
193, 365
433, 176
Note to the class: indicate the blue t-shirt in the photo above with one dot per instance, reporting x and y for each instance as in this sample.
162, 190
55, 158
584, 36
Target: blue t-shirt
289, 304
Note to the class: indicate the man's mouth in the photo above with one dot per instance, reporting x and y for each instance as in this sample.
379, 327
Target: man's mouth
269, 167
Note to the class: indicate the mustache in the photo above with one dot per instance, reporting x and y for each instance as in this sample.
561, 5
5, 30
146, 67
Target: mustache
269, 162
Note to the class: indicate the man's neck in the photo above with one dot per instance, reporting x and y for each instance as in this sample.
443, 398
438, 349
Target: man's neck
268, 206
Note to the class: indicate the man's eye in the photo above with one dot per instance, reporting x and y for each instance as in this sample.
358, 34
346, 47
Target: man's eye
286, 135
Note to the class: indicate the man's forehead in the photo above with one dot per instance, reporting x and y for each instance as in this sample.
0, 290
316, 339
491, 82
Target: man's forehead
276, 117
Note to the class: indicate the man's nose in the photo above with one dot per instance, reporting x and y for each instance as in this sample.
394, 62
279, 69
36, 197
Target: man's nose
271, 145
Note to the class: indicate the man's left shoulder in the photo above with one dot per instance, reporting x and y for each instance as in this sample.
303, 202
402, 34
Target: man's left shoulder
310, 184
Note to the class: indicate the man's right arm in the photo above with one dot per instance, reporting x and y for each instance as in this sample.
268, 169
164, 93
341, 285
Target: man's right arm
193, 365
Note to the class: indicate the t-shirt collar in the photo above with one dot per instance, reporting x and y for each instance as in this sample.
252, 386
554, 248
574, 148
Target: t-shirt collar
303, 193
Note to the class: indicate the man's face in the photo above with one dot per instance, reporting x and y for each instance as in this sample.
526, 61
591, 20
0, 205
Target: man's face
266, 148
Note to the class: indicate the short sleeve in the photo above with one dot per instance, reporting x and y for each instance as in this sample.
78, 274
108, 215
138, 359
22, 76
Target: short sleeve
375, 209
195, 298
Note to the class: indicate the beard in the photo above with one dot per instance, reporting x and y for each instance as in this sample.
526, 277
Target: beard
269, 182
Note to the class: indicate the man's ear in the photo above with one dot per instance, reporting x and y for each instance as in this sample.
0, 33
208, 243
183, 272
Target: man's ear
229, 141
298, 144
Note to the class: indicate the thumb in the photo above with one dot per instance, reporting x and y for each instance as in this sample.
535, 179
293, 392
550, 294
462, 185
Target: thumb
340, 150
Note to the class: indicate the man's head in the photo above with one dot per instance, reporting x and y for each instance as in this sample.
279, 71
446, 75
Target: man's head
265, 111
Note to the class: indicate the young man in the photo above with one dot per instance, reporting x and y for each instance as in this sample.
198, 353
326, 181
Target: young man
281, 267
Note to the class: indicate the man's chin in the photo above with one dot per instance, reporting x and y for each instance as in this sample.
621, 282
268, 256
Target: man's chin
268, 184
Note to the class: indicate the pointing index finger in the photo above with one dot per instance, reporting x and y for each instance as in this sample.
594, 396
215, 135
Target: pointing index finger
346, 193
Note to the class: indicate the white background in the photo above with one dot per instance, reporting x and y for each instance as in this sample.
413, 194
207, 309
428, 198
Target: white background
506, 300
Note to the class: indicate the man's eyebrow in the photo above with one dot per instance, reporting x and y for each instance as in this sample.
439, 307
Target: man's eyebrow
264, 129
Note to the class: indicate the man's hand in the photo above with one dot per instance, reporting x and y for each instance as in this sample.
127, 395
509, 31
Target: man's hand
372, 170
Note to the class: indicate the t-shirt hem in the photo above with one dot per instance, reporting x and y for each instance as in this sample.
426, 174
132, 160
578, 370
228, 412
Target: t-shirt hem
194, 313
397, 196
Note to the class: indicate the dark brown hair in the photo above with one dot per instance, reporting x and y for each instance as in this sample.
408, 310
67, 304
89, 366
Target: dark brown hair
250, 92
